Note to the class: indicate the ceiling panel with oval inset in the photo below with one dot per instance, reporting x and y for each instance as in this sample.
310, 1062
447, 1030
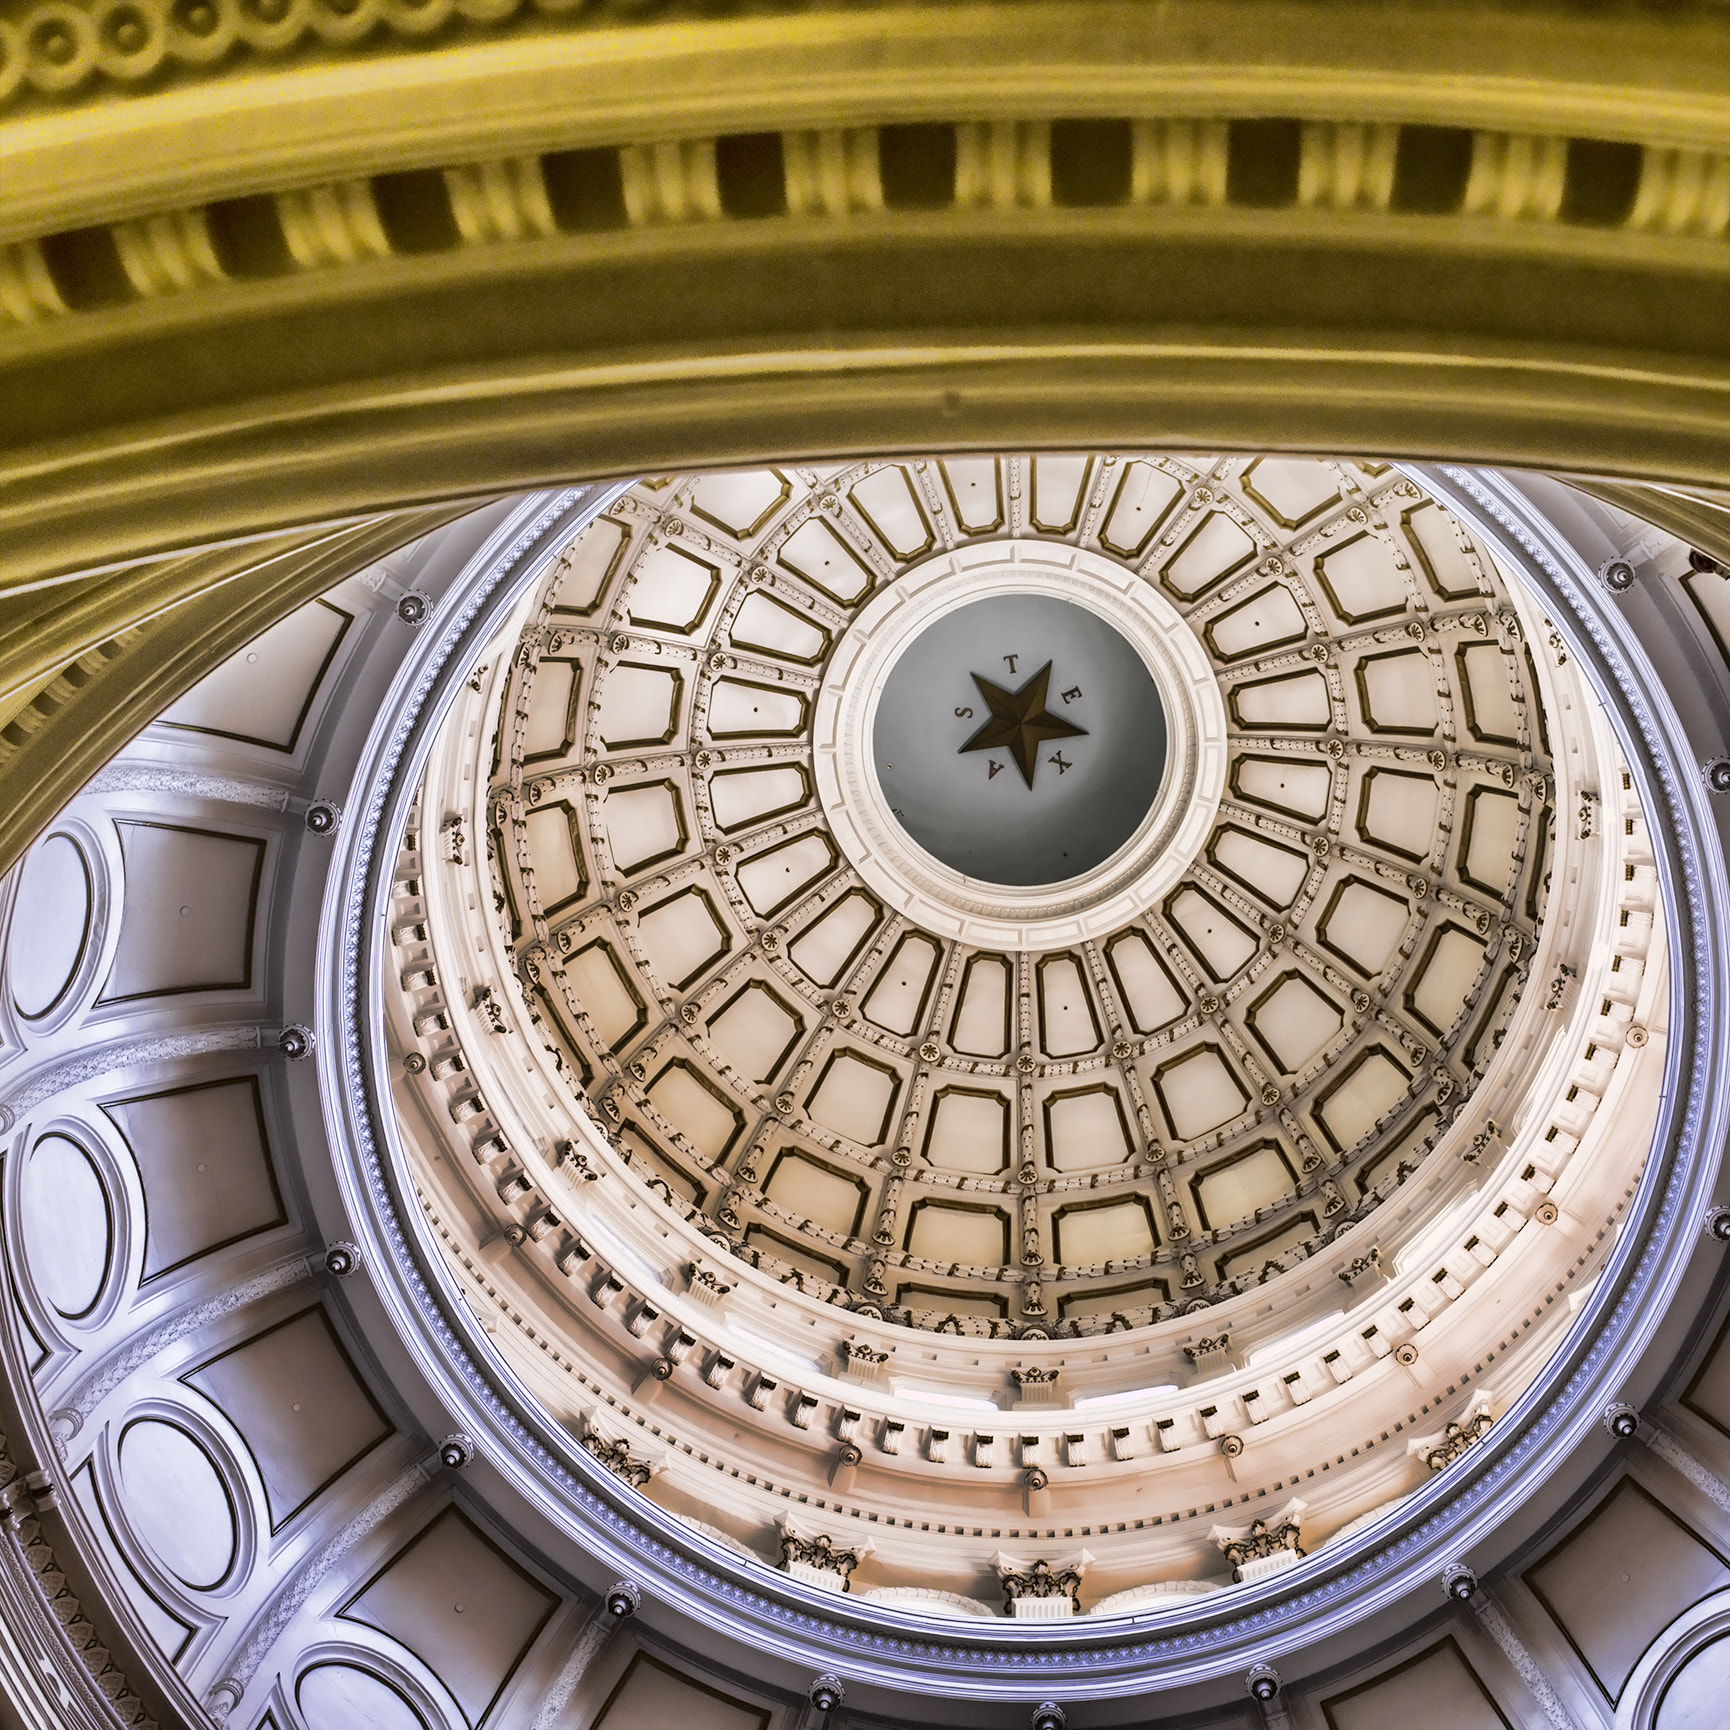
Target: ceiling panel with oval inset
335, 1696
178, 1502
67, 1224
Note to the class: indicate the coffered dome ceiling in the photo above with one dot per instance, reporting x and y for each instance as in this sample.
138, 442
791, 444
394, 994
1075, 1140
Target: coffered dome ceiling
817, 1151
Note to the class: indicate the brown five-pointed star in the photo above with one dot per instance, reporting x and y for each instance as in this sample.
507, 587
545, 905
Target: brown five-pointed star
1020, 722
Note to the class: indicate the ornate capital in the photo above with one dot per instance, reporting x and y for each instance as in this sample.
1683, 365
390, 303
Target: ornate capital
817, 1559
619, 1460
1261, 1541
1033, 1580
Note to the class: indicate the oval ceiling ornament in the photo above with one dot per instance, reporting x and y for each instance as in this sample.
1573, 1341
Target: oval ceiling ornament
178, 1501
899, 622
66, 1222
49, 933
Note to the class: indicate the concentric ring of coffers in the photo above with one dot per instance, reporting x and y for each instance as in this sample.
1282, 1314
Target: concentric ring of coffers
907, 1205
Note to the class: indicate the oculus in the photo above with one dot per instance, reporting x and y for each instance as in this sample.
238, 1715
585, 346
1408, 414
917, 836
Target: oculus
1020, 740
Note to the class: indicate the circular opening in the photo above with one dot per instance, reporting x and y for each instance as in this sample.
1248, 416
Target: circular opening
1020, 740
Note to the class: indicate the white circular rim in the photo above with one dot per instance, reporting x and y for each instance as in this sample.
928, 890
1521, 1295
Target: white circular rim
935, 895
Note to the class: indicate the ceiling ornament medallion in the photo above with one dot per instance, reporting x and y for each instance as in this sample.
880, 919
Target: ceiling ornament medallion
984, 867
1020, 723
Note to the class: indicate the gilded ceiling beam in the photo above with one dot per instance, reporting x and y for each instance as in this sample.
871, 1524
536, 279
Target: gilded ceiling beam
282, 262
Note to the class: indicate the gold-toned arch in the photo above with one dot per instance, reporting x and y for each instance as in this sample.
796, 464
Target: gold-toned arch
271, 264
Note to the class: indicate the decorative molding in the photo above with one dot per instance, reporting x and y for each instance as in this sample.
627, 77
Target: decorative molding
1674, 1454
817, 1559
135, 777
28, 1564
1452, 1509
111, 1371
1515, 1650
1033, 1588
262, 1635
135, 1053
609, 1612
618, 1459
1439, 1451
1262, 1541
